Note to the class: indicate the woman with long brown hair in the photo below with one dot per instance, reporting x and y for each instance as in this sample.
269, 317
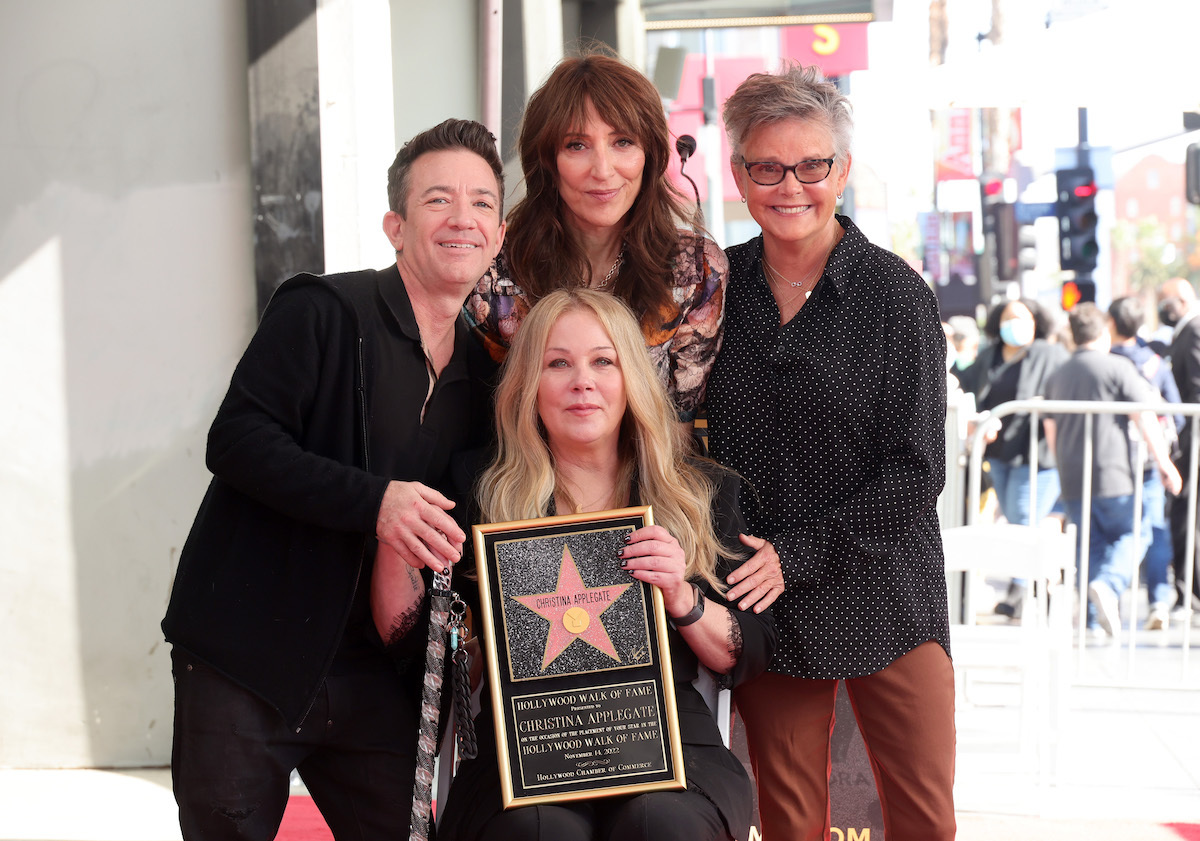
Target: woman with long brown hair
599, 211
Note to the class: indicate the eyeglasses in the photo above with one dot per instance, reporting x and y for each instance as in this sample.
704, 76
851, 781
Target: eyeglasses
770, 173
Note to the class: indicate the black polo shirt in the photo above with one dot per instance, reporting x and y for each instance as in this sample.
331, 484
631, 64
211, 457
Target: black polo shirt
416, 424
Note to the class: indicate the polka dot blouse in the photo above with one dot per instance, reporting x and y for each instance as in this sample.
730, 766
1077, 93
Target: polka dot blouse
837, 421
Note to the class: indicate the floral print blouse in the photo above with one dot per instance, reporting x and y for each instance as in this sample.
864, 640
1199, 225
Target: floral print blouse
682, 347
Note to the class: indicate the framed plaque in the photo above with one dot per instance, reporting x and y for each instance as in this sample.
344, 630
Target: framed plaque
577, 659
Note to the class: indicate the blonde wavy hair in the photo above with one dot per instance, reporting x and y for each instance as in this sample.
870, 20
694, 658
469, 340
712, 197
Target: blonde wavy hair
521, 481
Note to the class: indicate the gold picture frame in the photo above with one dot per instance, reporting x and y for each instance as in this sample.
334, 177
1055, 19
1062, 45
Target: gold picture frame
577, 659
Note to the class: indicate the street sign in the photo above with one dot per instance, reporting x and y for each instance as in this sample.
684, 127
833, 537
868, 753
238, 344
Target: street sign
1064, 10
1027, 212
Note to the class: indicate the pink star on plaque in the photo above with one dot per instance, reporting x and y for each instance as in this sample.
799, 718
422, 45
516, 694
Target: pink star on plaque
573, 610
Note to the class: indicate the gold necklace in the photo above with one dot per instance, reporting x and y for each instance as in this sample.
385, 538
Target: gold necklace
616, 267
605, 501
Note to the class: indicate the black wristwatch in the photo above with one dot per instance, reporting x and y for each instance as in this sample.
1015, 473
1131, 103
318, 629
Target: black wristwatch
692, 615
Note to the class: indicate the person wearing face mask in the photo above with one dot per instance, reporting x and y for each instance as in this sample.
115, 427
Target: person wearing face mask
1172, 308
964, 338
1014, 365
1177, 308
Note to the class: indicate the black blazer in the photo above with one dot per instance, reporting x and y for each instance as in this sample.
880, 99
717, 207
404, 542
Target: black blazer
1185, 368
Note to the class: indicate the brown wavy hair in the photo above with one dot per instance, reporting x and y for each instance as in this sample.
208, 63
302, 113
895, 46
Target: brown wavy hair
542, 253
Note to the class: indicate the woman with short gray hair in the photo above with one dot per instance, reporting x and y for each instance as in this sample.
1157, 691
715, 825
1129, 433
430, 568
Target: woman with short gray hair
829, 397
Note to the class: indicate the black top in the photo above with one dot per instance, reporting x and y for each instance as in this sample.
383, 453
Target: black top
837, 419
415, 423
710, 768
1003, 378
1185, 367
1033, 368
282, 541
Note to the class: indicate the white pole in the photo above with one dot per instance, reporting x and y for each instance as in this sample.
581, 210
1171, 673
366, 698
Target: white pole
491, 31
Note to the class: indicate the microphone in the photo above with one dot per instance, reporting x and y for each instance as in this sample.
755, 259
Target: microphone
685, 145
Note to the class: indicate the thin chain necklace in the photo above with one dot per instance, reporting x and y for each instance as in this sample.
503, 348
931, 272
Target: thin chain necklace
800, 284
612, 272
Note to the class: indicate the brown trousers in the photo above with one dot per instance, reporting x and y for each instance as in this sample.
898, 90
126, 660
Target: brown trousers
905, 713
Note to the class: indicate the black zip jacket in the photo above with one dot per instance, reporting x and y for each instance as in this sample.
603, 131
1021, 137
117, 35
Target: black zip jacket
269, 571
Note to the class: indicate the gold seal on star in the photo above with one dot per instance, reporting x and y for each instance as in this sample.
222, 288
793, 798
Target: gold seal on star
576, 620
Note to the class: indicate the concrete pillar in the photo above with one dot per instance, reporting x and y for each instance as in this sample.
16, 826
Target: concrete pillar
126, 297
358, 142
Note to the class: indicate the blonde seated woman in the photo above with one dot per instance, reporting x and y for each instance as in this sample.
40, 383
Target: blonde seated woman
585, 424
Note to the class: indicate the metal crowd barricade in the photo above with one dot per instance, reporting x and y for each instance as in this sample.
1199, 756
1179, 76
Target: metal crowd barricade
1038, 408
960, 412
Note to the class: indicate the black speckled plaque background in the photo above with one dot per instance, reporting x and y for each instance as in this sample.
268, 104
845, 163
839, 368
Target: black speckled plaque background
586, 723
529, 565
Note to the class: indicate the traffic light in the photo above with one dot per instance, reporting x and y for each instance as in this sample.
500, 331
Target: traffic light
1193, 173
1004, 226
1027, 251
1016, 243
1077, 248
991, 188
1077, 291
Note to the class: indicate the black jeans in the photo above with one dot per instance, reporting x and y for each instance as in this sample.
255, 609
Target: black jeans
1178, 513
233, 755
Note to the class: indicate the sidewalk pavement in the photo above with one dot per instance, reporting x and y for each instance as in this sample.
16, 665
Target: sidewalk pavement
1127, 769
137, 805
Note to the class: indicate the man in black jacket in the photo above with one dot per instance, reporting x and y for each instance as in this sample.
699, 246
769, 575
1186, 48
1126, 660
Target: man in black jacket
1179, 309
331, 459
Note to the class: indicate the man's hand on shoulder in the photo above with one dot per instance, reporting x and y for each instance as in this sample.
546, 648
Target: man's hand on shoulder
413, 521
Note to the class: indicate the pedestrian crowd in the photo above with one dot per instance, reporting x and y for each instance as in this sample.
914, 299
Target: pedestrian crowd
1107, 356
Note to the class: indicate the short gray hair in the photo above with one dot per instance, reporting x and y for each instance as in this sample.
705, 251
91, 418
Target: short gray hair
796, 92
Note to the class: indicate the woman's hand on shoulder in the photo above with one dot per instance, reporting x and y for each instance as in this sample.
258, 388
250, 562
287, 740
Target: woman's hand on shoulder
759, 581
653, 555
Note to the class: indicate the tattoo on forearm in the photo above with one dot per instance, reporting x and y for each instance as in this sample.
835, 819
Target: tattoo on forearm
406, 620
735, 638
402, 623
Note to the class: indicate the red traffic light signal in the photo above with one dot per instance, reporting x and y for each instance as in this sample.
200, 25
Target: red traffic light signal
1076, 210
991, 189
